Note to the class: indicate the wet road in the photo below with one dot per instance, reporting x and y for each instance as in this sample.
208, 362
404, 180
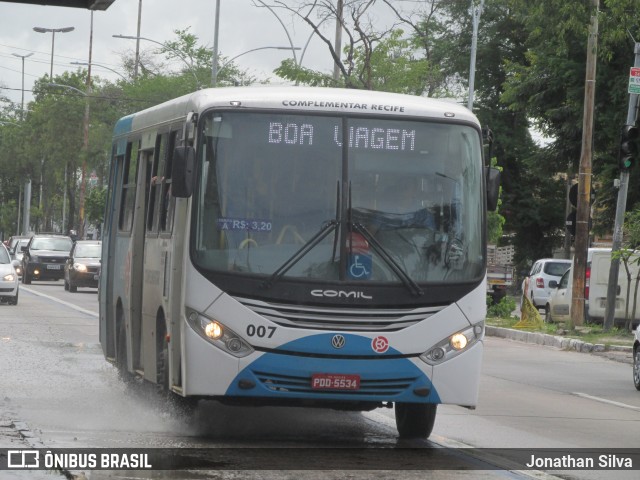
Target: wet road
60, 391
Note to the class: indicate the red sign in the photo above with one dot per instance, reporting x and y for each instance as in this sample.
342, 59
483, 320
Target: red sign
380, 344
358, 243
635, 72
334, 381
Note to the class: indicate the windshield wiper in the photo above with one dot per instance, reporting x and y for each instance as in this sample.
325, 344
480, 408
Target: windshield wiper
404, 277
408, 282
326, 229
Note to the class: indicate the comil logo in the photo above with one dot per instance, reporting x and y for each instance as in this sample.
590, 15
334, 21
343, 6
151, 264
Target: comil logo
340, 294
23, 459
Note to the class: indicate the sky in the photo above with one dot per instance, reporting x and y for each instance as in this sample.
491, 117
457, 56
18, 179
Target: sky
243, 27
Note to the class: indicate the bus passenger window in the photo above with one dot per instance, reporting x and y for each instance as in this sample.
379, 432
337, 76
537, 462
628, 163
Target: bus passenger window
128, 198
167, 202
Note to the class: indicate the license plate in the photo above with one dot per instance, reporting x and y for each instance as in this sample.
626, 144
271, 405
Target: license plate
619, 304
96, 277
53, 267
334, 381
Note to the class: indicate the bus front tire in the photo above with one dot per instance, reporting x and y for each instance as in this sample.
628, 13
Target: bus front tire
121, 354
183, 406
415, 420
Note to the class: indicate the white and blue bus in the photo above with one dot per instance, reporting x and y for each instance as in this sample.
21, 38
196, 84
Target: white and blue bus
300, 247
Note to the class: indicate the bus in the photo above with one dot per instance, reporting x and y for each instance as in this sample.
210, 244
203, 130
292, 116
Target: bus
298, 246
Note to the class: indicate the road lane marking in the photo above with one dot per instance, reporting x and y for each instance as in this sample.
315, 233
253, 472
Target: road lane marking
439, 441
70, 305
604, 400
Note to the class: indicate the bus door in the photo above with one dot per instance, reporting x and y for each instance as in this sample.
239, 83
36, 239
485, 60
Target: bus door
156, 244
138, 249
108, 234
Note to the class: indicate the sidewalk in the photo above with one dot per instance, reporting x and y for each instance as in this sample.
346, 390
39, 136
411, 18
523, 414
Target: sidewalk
617, 353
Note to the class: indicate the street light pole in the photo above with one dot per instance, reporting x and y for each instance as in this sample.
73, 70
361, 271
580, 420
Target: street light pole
476, 11
228, 62
135, 68
85, 64
175, 52
85, 141
338, 40
53, 40
214, 60
22, 103
614, 268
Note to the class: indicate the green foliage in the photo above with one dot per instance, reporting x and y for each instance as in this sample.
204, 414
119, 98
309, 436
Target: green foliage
502, 309
300, 75
49, 139
95, 205
530, 71
632, 228
549, 85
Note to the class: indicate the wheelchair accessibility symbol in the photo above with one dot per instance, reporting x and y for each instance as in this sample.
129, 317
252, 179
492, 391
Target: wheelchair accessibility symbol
360, 267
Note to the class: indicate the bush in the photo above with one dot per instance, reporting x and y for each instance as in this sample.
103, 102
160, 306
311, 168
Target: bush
502, 309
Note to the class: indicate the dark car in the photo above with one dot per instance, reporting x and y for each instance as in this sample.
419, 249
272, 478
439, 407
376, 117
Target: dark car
82, 269
44, 257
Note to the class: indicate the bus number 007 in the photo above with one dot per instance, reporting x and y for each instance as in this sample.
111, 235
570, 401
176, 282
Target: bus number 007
260, 331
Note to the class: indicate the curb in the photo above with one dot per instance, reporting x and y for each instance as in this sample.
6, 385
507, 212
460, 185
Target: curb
618, 353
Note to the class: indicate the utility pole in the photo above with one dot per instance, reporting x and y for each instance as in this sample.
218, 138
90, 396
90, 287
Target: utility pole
610, 309
584, 175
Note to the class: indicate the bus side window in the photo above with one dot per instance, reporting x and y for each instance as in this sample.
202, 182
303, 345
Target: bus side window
156, 181
128, 198
168, 202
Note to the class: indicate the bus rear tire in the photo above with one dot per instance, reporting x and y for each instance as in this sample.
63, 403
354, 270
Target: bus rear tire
415, 420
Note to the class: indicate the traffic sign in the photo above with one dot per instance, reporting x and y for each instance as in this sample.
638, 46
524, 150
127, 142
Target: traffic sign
634, 80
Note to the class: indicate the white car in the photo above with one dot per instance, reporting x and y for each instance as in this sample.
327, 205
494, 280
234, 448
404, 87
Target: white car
8, 278
636, 359
558, 308
537, 284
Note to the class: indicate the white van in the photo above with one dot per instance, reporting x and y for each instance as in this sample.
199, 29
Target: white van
596, 283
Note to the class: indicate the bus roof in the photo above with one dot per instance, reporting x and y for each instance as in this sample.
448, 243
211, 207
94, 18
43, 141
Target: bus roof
327, 100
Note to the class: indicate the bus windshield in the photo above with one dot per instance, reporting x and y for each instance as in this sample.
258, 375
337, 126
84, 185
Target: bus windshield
404, 195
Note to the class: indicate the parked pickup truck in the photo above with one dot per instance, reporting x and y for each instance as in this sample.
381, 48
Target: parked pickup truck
499, 279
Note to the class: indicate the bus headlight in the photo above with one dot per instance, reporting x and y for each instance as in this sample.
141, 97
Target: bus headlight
454, 345
218, 334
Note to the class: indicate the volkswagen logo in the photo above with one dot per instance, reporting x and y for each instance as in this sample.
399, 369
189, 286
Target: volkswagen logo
338, 341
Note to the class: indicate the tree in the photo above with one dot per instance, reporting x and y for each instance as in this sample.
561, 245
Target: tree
360, 37
549, 84
628, 255
95, 205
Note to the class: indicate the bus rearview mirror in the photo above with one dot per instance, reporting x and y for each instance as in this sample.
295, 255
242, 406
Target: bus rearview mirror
493, 187
182, 175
